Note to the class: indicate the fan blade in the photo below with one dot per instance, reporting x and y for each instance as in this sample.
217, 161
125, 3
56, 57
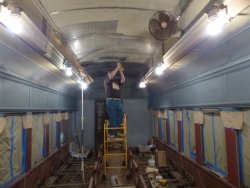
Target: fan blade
163, 17
162, 34
155, 24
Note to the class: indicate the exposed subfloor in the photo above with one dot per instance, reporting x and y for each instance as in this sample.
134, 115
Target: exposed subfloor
69, 174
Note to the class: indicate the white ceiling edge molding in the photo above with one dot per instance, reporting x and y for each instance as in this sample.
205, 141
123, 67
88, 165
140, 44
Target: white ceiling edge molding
56, 54
195, 35
21, 49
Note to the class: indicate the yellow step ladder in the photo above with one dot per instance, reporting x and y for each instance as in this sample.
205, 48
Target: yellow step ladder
121, 140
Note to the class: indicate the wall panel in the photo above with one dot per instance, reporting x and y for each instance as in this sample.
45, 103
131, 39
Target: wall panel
223, 86
13, 95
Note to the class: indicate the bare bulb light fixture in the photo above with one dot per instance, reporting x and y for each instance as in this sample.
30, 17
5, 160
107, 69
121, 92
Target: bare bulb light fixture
83, 84
142, 84
12, 18
217, 18
68, 71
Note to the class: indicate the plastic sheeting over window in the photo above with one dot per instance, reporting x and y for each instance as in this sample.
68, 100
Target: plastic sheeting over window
37, 140
164, 127
189, 133
244, 143
12, 149
155, 124
215, 143
53, 134
173, 131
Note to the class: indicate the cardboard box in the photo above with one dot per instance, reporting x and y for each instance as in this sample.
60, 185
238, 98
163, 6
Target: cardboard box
160, 158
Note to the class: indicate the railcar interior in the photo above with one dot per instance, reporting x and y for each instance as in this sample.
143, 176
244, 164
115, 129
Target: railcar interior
125, 93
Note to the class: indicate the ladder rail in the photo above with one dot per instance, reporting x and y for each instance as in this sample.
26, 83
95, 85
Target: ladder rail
109, 154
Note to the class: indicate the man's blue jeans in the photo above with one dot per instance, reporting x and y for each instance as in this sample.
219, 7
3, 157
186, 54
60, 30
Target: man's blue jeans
115, 113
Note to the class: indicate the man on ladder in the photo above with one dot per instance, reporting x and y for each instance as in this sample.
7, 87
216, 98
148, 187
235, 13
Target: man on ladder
113, 88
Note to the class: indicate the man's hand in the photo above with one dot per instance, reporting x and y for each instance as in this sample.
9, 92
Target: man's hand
121, 69
118, 65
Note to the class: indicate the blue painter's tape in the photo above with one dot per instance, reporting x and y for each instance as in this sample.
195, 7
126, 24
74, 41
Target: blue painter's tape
6, 184
57, 144
217, 169
44, 142
214, 165
24, 139
214, 141
175, 143
168, 127
241, 162
191, 153
161, 131
182, 135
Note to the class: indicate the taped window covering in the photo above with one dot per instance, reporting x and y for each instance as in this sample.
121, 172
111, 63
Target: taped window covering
52, 133
179, 115
232, 120
37, 140
46, 118
185, 135
156, 125
198, 117
165, 114
245, 150
12, 149
72, 125
65, 130
58, 125
5, 152
172, 128
179, 118
158, 114
215, 143
65, 116
2, 124
59, 117
16, 122
27, 121
189, 133
164, 126
62, 132
160, 128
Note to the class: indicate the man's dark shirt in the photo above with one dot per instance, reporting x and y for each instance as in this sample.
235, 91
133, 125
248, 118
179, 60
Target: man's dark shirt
112, 88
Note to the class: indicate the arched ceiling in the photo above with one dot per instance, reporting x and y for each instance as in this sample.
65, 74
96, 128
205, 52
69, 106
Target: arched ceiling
101, 33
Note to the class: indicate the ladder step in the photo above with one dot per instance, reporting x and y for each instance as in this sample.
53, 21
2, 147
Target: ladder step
114, 128
110, 154
110, 167
115, 140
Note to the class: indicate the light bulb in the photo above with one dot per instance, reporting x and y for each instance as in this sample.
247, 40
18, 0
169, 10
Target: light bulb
15, 24
142, 84
84, 85
216, 22
12, 19
214, 27
68, 71
159, 70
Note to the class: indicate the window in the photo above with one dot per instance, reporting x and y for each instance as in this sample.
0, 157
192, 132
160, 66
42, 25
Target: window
189, 133
12, 149
37, 149
172, 122
244, 150
214, 143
